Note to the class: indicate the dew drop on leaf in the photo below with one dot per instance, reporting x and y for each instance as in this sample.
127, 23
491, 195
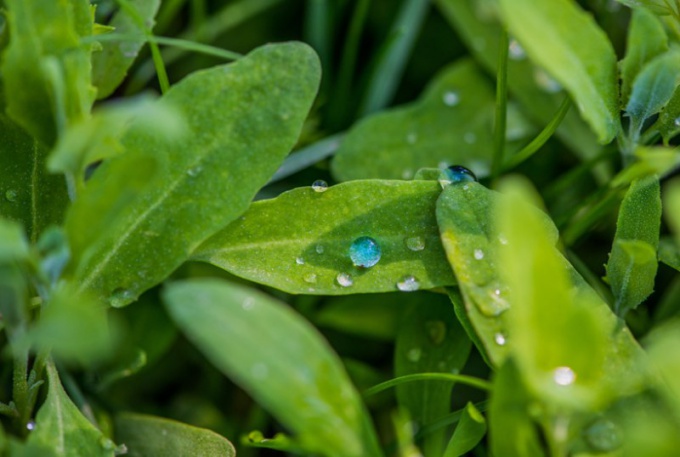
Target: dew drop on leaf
319, 185
413, 355
319, 249
676, 122
500, 339
300, 261
564, 376
479, 254
120, 297
456, 174
411, 138
415, 243
11, 195
516, 51
310, 278
195, 171
364, 252
436, 330
344, 280
30, 425
450, 98
408, 284
603, 435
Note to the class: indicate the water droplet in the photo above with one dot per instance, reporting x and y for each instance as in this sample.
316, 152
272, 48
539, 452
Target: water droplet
503, 240
107, 444
344, 280
319, 249
121, 297
456, 174
677, 122
11, 195
500, 339
260, 371
364, 252
407, 174
248, 303
195, 171
490, 299
516, 51
411, 138
310, 278
479, 254
300, 261
546, 82
436, 330
415, 243
450, 98
564, 376
319, 185
408, 284
470, 138
603, 435
30, 425
414, 354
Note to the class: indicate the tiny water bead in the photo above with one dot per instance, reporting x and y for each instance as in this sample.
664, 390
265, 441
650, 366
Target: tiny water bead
603, 435
413, 355
300, 261
456, 174
310, 278
364, 252
676, 122
344, 280
121, 297
319, 249
450, 98
415, 243
479, 254
30, 425
436, 330
500, 339
516, 51
564, 376
408, 284
319, 185
11, 195
195, 171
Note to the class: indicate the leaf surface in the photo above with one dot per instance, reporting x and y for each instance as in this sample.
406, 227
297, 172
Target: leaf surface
277, 357
469, 432
307, 252
242, 119
669, 253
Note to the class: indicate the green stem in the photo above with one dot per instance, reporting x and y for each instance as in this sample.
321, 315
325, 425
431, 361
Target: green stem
20, 387
501, 108
463, 379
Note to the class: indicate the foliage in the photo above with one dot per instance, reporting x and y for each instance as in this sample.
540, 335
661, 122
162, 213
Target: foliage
177, 277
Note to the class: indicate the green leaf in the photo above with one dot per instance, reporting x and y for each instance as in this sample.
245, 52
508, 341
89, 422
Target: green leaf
278, 358
669, 252
430, 340
668, 123
307, 252
657, 6
646, 40
451, 123
111, 64
671, 205
632, 263
13, 243
662, 347
650, 160
46, 71
566, 41
242, 119
145, 435
469, 432
60, 428
653, 88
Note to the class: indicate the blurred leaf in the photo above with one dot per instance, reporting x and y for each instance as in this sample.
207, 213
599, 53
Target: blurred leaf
539, 95
279, 359
646, 40
147, 436
657, 6
469, 432
653, 88
512, 429
111, 64
451, 123
242, 118
46, 71
632, 264
577, 53
650, 160
307, 253
430, 340
13, 243
662, 346
669, 252
60, 428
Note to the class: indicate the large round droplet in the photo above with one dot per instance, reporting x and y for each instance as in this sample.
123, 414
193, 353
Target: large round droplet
408, 284
319, 185
456, 174
364, 252
603, 435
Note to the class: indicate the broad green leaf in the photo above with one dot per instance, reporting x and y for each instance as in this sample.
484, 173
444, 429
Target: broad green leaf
279, 359
653, 88
632, 264
646, 40
28, 194
46, 71
567, 42
242, 119
669, 253
60, 428
469, 432
512, 430
539, 95
307, 253
145, 435
111, 64
430, 340
451, 123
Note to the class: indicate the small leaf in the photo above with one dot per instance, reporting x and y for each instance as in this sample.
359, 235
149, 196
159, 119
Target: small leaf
469, 432
430, 340
60, 428
650, 160
307, 253
13, 244
145, 435
646, 40
242, 119
669, 253
632, 263
279, 359
111, 64
567, 42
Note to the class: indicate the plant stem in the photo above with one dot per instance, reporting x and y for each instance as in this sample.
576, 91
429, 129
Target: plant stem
463, 379
501, 108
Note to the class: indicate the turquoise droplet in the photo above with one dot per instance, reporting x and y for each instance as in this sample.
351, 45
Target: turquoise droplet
455, 174
364, 252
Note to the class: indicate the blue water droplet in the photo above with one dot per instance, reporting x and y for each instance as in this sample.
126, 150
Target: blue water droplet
456, 174
319, 185
364, 252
